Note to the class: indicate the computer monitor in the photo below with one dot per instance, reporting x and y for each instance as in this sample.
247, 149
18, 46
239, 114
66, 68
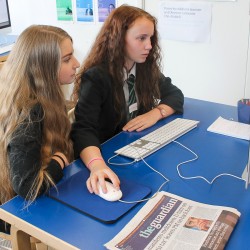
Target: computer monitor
248, 167
246, 172
5, 22
4, 14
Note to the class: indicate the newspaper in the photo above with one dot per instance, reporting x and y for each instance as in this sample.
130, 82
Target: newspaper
172, 222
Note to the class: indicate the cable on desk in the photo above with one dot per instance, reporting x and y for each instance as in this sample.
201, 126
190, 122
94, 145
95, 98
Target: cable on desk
200, 177
159, 189
178, 171
119, 164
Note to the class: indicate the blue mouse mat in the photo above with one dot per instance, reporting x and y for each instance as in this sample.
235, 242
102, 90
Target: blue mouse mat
74, 193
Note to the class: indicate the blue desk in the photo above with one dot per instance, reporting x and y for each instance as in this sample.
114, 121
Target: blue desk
64, 228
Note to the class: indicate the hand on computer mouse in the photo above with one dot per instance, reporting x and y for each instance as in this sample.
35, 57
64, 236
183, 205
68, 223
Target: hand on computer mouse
98, 173
112, 193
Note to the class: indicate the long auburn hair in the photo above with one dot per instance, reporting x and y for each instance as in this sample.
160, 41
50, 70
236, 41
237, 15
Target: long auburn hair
109, 49
30, 76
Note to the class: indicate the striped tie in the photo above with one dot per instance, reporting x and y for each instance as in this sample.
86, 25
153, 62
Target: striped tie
132, 97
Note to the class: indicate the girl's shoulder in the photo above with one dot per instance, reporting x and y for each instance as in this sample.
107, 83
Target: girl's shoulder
36, 112
98, 74
97, 70
31, 125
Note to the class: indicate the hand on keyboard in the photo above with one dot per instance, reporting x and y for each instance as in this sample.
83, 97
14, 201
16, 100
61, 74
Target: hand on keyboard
148, 119
144, 121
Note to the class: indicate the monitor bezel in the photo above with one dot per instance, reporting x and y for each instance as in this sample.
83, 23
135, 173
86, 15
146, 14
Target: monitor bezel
6, 24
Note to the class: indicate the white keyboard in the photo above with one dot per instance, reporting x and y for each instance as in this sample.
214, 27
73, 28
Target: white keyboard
155, 140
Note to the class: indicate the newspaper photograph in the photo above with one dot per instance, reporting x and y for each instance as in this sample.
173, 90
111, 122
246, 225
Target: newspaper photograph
168, 221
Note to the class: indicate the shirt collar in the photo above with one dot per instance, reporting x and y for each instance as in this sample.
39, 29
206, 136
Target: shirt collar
132, 71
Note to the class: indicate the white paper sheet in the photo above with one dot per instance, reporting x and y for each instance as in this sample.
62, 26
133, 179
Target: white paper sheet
230, 128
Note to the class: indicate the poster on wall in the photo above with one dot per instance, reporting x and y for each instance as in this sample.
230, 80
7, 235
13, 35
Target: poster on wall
181, 21
104, 9
84, 11
64, 10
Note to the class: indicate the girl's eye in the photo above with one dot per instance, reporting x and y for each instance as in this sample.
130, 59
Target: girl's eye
67, 59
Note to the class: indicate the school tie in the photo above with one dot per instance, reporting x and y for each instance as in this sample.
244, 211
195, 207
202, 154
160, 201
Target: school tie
132, 97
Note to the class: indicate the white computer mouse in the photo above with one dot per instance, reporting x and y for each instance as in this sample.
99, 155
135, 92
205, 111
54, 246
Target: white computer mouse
112, 193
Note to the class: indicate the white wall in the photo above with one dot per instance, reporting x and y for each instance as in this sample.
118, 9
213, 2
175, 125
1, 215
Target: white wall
215, 72
26, 12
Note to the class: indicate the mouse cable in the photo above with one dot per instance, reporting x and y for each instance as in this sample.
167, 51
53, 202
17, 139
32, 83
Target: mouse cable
159, 189
199, 177
147, 199
119, 164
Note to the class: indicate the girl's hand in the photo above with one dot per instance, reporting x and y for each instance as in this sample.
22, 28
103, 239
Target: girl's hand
148, 119
99, 171
144, 121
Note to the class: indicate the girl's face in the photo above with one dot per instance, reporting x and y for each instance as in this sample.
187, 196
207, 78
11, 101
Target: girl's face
69, 63
138, 42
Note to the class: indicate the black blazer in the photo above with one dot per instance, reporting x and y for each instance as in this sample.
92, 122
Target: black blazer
95, 118
24, 152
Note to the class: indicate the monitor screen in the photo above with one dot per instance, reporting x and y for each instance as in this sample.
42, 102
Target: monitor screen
4, 14
246, 171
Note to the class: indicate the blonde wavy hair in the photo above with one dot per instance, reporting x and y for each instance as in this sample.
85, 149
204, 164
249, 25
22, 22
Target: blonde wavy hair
30, 76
